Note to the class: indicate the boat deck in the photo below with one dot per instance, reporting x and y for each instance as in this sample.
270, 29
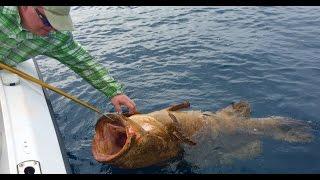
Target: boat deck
28, 138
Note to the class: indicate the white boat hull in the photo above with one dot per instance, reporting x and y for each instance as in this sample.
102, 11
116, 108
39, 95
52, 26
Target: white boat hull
28, 138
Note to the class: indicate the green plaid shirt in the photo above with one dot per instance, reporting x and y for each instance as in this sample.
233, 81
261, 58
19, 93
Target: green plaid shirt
18, 45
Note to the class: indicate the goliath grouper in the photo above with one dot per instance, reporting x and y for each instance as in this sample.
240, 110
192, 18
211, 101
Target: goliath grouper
142, 140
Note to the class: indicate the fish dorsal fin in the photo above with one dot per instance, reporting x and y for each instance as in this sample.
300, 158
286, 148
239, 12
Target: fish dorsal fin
236, 109
177, 107
177, 132
242, 108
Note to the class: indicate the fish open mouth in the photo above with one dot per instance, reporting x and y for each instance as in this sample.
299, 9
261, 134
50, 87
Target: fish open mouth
115, 138
110, 140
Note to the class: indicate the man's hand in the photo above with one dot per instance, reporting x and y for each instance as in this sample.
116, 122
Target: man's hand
122, 99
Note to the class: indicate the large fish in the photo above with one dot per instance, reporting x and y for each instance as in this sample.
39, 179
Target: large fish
142, 140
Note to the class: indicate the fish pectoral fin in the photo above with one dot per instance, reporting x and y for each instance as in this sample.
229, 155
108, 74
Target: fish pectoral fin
177, 132
183, 138
177, 107
174, 120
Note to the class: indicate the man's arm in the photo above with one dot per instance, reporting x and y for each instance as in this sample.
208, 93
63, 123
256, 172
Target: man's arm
73, 55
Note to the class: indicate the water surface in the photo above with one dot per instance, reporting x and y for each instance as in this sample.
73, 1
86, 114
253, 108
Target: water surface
211, 56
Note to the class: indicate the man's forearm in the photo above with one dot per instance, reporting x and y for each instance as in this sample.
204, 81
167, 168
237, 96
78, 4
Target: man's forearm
81, 62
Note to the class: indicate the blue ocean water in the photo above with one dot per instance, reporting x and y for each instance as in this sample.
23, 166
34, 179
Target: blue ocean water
211, 56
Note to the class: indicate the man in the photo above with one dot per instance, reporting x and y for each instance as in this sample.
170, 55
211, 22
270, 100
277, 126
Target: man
28, 31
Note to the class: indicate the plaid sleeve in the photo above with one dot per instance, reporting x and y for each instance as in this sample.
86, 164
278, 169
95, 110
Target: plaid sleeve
73, 55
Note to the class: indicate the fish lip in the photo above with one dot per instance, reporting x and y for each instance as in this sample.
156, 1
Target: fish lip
108, 158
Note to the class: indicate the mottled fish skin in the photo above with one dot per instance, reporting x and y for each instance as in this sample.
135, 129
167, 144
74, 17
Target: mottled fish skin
153, 138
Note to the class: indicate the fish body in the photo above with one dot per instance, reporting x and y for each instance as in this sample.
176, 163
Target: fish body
148, 139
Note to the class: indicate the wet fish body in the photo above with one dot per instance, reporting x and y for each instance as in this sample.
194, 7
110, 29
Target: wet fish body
148, 139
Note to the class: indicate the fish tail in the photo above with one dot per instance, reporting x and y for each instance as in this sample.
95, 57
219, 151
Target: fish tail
281, 128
